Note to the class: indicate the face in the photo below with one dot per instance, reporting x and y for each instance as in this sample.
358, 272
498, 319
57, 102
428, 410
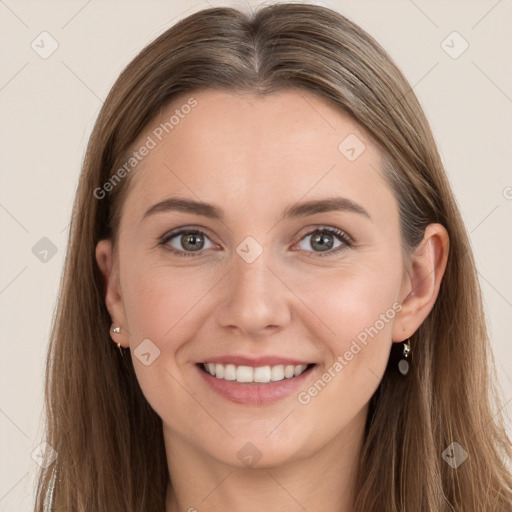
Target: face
268, 276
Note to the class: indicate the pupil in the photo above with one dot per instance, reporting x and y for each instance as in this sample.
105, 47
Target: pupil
324, 242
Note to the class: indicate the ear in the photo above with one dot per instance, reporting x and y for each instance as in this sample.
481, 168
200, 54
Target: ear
420, 286
113, 297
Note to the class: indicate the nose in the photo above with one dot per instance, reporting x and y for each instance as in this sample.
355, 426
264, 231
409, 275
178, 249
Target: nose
255, 301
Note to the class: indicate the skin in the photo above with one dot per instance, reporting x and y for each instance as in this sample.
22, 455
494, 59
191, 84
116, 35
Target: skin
253, 157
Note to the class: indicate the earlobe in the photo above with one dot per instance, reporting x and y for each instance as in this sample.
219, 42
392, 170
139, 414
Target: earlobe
428, 265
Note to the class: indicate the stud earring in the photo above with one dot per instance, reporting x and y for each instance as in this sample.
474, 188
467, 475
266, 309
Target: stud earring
117, 330
403, 364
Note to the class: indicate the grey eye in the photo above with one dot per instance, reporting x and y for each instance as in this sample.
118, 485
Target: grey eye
321, 241
190, 241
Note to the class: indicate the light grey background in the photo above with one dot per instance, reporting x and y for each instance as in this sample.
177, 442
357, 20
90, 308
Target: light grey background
48, 106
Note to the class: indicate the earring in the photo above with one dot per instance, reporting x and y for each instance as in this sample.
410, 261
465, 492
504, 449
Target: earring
403, 364
117, 330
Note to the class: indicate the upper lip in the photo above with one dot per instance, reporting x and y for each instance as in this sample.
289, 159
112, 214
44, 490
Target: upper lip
255, 361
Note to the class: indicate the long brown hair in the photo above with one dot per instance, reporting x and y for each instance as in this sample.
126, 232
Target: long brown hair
109, 441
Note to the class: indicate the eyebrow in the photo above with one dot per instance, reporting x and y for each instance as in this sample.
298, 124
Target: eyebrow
296, 210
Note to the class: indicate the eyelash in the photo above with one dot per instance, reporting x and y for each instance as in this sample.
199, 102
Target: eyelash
341, 235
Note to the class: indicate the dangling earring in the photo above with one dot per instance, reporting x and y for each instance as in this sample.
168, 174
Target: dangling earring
117, 330
403, 364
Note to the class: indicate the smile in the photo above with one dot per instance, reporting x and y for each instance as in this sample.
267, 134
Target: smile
254, 385
248, 374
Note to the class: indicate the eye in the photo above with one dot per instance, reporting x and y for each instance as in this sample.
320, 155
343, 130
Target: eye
187, 242
326, 240
191, 242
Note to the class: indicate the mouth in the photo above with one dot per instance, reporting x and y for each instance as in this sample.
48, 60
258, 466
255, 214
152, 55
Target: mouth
254, 385
251, 375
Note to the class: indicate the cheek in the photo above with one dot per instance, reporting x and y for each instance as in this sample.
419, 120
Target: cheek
159, 301
342, 304
162, 305
359, 306
354, 311
351, 299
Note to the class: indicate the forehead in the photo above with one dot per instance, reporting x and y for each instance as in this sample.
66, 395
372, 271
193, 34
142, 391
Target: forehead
256, 151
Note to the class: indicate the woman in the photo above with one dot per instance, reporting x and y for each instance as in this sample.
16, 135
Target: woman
264, 229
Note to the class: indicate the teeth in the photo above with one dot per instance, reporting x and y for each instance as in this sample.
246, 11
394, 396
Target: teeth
277, 372
250, 374
262, 374
244, 374
230, 372
289, 371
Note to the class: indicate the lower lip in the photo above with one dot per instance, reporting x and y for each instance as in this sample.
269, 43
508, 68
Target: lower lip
254, 393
